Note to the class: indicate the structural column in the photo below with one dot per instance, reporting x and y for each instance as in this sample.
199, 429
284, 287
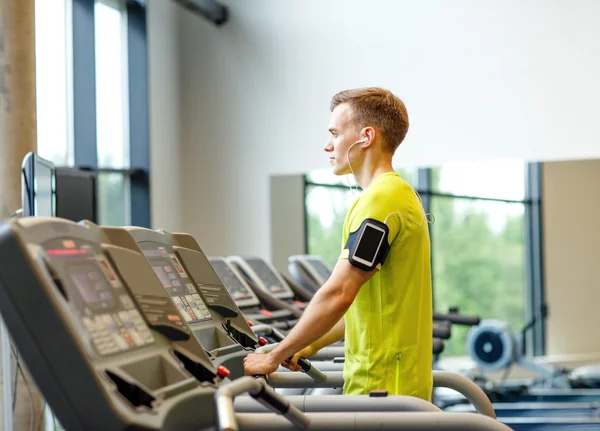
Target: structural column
17, 138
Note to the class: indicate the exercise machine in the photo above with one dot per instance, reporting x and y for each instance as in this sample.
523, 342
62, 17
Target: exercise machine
108, 348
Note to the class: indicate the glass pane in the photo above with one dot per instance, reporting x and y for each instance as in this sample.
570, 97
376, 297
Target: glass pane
51, 81
111, 97
478, 259
502, 179
409, 175
325, 211
113, 208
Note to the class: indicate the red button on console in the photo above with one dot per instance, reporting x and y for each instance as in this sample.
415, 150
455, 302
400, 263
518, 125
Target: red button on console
262, 341
222, 372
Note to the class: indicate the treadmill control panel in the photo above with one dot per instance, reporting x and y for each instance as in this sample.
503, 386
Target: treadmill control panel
268, 278
176, 282
233, 284
319, 267
107, 311
238, 289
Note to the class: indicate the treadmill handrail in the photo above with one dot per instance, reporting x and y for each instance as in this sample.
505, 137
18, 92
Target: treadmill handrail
441, 379
258, 389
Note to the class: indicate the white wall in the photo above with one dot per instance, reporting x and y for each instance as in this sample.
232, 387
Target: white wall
571, 210
481, 79
164, 114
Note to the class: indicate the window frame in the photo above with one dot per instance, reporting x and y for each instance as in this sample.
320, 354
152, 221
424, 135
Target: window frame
84, 124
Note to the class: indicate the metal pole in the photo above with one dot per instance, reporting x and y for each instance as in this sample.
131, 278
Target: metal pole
17, 138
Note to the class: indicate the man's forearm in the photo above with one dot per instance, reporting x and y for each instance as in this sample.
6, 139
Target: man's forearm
323, 312
335, 334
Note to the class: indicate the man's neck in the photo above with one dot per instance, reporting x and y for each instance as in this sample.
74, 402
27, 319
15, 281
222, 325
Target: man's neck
368, 172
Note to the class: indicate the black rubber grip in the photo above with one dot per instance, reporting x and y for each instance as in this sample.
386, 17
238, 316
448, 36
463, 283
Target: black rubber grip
438, 346
304, 364
272, 399
457, 319
441, 331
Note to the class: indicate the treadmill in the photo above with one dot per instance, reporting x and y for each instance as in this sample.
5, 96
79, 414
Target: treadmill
256, 309
108, 349
310, 271
196, 291
264, 278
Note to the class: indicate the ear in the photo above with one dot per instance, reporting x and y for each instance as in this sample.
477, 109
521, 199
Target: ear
368, 136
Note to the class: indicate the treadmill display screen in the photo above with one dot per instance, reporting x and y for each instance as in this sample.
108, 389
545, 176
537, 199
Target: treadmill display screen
91, 284
176, 282
105, 307
232, 283
266, 275
320, 268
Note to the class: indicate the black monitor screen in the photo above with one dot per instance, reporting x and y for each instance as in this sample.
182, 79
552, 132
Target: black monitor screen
76, 194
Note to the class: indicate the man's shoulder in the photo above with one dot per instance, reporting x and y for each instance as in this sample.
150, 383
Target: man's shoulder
388, 191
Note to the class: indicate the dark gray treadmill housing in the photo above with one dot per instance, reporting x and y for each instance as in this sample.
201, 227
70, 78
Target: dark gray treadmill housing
311, 272
257, 307
268, 284
241, 293
263, 275
202, 300
68, 302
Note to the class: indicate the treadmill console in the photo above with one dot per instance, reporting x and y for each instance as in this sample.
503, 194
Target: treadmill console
320, 267
107, 311
193, 287
237, 288
91, 326
263, 275
310, 271
176, 282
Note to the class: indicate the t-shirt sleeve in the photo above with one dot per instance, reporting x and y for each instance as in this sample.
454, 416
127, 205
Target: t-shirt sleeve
375, 206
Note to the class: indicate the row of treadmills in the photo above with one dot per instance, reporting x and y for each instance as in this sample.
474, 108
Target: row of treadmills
133, 329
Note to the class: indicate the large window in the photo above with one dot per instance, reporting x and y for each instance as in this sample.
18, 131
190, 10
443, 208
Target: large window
481, 245
52, 62
111, 112
91, 85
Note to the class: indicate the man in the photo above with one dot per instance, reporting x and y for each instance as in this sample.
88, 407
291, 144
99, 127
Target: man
378, 299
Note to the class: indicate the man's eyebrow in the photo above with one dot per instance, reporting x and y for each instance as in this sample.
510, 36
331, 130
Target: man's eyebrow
332, 129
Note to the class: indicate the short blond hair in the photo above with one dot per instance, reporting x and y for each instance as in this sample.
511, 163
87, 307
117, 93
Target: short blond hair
378, 108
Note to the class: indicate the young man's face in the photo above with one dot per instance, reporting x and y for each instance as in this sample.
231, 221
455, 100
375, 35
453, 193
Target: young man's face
343, 133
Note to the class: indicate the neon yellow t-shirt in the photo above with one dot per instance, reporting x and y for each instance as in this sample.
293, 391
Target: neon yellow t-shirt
388, 339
